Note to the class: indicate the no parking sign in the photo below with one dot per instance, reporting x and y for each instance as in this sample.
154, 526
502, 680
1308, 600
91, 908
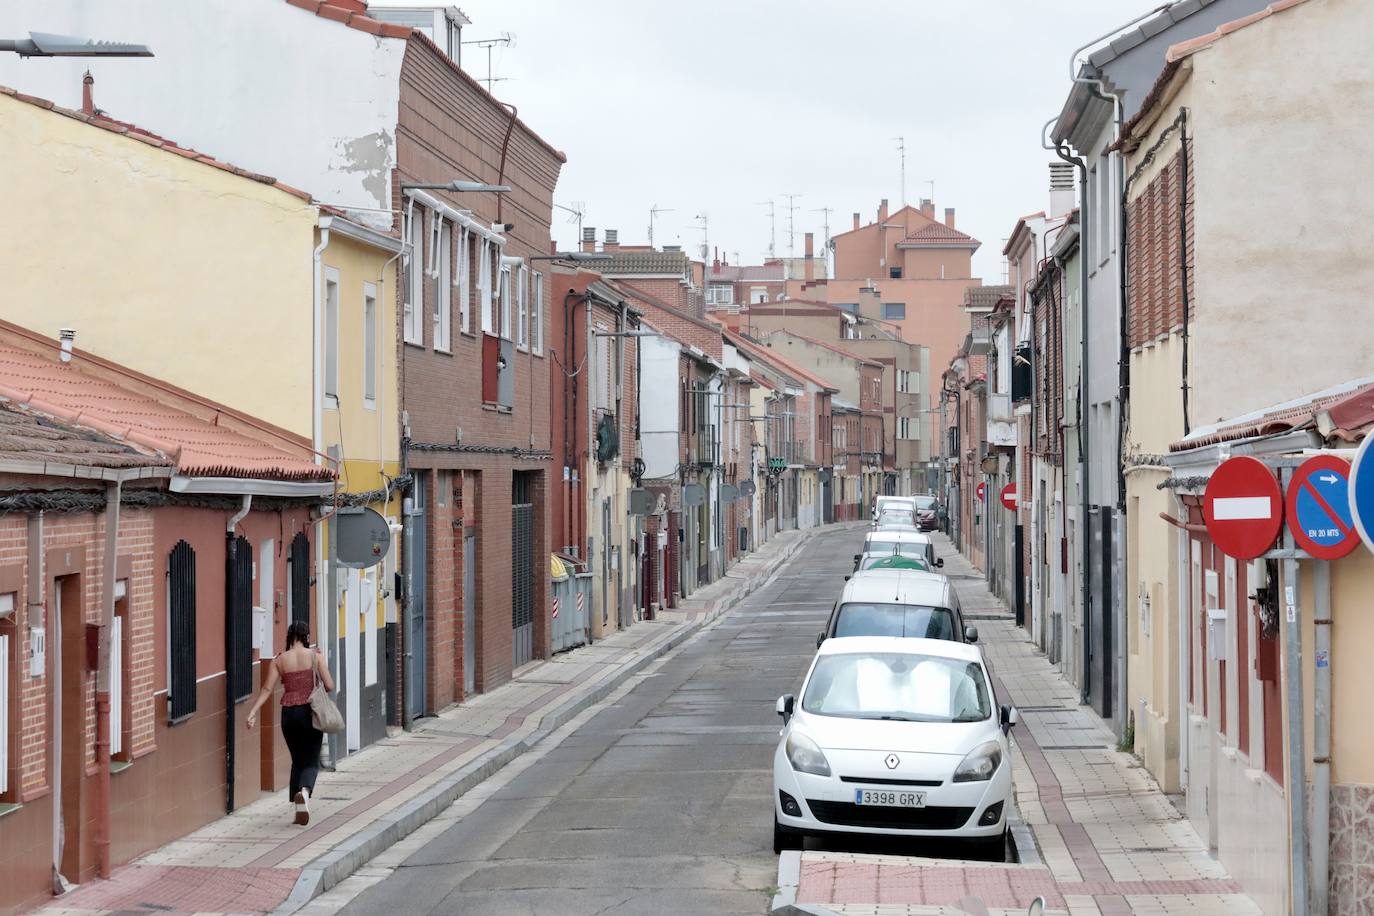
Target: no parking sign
1318, 504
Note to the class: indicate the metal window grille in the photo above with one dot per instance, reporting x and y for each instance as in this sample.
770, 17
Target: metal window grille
300, 578
242, 619
4, 714
181, 631
522, 565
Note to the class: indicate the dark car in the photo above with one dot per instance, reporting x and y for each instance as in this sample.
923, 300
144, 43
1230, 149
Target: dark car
927, 513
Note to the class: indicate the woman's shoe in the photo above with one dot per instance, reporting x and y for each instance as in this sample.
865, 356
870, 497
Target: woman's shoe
303, 807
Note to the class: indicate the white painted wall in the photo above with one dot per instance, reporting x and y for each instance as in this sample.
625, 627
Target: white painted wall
658, 415
261, 84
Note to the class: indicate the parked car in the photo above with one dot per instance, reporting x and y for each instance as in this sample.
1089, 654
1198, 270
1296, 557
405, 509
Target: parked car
898, 602
908, 541
895, 737
896, 517
927, 512
884, 503
891, 561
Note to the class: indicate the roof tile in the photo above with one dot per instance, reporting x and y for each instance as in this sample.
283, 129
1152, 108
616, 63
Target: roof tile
27, 435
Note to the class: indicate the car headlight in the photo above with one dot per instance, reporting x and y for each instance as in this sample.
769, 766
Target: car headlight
805, 755
980, 763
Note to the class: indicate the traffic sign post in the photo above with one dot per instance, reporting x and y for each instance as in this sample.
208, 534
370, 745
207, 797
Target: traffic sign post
1243, 507
1318, 507
1009, 496
1361, 491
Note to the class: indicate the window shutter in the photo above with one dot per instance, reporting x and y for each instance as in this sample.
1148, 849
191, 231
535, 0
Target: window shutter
241, 619
181, 632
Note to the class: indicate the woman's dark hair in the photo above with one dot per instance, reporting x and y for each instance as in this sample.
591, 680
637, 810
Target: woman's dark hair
298, 632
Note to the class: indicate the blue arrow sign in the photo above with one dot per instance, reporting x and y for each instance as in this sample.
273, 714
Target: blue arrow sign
1362, 492
1323, 508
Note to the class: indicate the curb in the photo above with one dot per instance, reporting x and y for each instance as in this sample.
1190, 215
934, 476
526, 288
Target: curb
789, 877
349, 855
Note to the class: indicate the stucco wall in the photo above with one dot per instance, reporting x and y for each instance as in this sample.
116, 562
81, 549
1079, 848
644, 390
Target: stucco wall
1283, 229
238, 79
137, 248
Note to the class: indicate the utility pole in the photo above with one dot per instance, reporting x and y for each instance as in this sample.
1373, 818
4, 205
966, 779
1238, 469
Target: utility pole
653, 211
772, 227
825, 226
791, 223
901, 155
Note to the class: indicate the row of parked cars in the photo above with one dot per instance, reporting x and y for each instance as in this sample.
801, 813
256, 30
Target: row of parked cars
898, 730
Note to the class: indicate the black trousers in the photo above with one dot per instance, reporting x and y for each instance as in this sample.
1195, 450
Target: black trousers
303, 740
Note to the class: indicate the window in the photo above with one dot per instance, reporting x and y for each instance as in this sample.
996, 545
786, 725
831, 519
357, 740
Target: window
504, 301
851, 307
484, 298
443, 290
8, 641
894, 273
1102, 184
464, 280
758, 294
522, 313
414, 286
120, 670
908, 428
894, 311
537, 314
369, 345
331, 337
181, 632
601, 373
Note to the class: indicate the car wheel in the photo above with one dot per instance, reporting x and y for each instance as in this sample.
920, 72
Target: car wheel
784, 838
992, 848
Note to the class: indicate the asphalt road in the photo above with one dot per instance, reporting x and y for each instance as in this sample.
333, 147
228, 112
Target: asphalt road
661, 802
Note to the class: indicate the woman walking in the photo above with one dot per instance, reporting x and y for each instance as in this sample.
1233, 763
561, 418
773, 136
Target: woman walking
298, 666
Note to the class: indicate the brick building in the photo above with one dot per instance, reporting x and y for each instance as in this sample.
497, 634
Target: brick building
202, 489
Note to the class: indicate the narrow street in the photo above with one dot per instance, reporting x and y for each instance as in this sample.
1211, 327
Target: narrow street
659, 801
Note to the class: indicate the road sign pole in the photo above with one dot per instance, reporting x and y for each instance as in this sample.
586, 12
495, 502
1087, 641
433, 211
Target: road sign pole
1297, 766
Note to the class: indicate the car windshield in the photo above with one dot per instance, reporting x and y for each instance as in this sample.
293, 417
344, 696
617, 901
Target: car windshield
894, 561
905, 548
894, 620
897, 686
895, 517
925, 502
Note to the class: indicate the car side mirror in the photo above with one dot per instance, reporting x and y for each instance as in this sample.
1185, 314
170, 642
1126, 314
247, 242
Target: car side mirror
847, 578
970, 634
940, 562
784, 707
858, 557
820, 638
1009, 717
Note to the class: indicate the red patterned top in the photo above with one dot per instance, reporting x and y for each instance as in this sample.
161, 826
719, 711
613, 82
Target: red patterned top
298, 686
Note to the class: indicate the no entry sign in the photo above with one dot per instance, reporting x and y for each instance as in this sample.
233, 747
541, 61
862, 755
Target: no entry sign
1318, 504
1009, 496
982, 490
1243, 507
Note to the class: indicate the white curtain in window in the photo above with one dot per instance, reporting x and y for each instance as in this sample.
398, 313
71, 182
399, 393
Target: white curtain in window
463, 282
484, 287
537, 314
117, 686
522, 314
443, 290
414, 276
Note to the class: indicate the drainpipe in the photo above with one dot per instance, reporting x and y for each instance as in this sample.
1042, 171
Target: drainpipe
102, 682
230, 597
1321, 740
1297, 763
317, 445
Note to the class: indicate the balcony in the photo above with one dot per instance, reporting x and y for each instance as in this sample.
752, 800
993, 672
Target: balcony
980, 340
704, 447
999, 407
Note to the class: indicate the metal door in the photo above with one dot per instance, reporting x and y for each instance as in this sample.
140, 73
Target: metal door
416, 553
1099, 618
469, 613
522, 568
299, 561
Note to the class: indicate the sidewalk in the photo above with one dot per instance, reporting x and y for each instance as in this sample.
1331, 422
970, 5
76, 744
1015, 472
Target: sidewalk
256, 860
1099, 837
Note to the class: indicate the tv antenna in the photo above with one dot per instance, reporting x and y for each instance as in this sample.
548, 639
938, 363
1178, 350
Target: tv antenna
507, 39
931, 184
791, 223
705, 232
578, 209
654, 211
825, 226
772, 227
901, 155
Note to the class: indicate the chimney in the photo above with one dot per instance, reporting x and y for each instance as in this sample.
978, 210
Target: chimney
68, 337
856, 221
927, 208
88, 93
589, 238
612, 240
949, 216
1061, 188
882, 210
809, 270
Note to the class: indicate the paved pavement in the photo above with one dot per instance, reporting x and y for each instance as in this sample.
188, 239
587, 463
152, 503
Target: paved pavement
1107, 841
256, 860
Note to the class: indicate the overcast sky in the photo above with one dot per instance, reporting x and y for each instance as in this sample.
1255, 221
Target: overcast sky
715, 105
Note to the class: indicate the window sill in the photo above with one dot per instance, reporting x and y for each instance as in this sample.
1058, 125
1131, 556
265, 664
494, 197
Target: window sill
418, 344
369, 403
469, 334
331, 402
496, 408
9, 808
119, 766
539, 353
522, 348
444, 351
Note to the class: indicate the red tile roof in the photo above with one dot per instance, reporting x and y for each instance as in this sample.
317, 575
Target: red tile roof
1193, 45
134, 132
1349, 407
199, 447
29, 436
937, 235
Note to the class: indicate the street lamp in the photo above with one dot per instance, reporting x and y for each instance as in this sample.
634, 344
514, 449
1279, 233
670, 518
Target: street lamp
459, 186
44, 44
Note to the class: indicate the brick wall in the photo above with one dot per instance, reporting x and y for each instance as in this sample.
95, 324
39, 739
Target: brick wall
1154, 270
674, 321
